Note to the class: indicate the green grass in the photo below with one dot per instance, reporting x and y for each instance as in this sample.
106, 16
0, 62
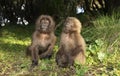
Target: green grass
13, 62
103, 53
103, 39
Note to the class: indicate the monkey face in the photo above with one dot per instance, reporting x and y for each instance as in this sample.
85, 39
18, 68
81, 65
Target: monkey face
70, 26
44, 24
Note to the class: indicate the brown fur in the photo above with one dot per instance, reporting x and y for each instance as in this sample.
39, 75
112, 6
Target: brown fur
43, 39
72, 44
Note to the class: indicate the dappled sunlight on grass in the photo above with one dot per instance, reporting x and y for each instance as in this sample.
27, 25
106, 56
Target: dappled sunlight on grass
13, 40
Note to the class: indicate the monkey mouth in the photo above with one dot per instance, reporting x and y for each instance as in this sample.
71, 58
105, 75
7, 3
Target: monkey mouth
44, 29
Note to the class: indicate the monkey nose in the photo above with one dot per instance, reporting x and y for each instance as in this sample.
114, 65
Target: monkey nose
43, 27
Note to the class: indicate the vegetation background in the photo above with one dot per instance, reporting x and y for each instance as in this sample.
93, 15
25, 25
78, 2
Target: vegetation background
101, 30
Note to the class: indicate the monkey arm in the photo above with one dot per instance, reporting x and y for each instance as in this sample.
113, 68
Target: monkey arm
34, 55
63, 57
49, 51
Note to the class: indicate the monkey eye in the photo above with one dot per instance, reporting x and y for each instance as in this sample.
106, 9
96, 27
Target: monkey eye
47, 21
69, 24
44, 21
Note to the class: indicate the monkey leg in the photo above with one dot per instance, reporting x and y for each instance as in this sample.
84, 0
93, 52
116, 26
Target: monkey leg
80, 58
70, 61
79, 55
34, 55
